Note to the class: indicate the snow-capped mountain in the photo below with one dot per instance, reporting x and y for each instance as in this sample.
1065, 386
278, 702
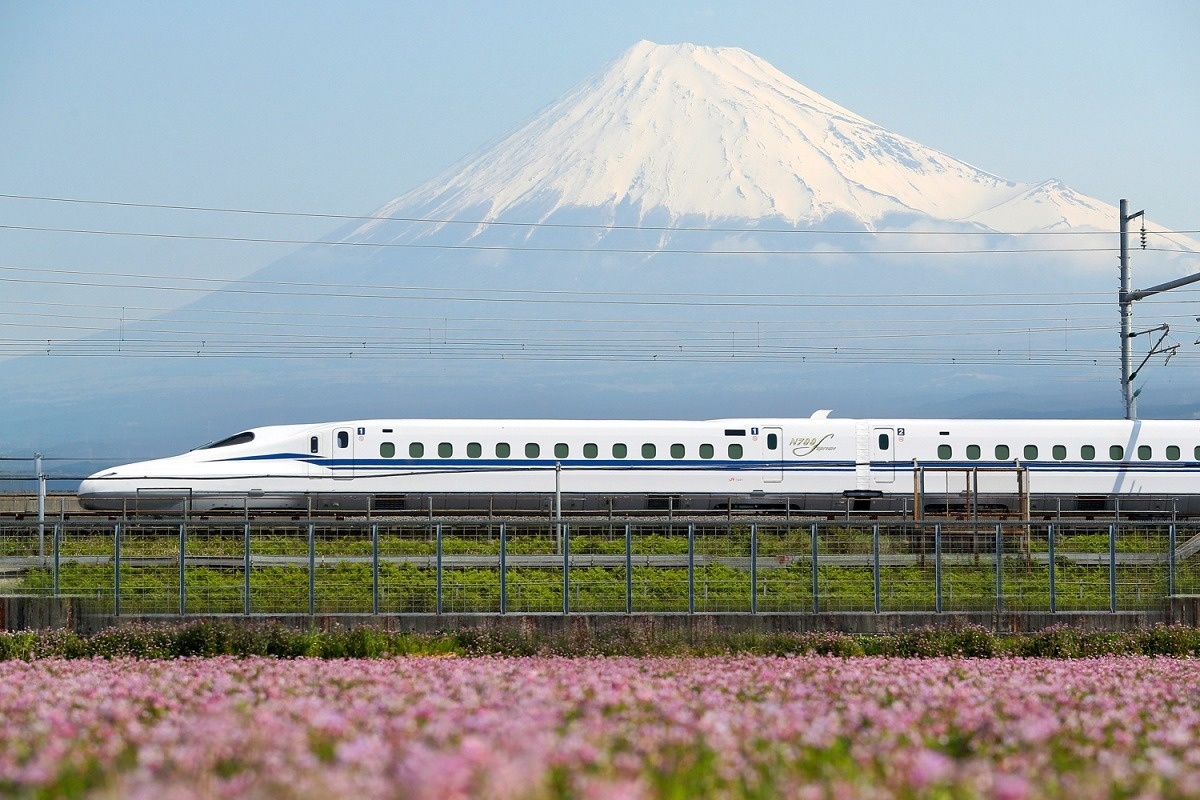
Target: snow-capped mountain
629, 251
681, 134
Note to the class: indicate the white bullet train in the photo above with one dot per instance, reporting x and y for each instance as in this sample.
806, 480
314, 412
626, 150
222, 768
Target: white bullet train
817, 463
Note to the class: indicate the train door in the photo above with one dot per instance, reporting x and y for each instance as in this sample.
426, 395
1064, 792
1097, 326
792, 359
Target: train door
883, 455
343, 453
772, 452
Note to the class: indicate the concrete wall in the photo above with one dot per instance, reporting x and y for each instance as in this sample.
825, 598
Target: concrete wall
24, 504
38, 613
680, 623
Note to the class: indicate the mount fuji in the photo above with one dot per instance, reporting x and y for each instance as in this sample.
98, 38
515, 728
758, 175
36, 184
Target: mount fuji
689, 232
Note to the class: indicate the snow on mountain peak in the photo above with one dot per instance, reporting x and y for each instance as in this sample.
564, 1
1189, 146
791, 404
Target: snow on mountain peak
713, 132
674, 132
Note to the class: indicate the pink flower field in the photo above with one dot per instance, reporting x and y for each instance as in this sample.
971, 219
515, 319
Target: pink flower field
801, 727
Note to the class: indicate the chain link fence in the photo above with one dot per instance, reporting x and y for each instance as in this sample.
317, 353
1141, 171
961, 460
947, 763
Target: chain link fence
538, 566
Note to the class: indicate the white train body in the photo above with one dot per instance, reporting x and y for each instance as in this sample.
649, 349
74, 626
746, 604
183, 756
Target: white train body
816, 463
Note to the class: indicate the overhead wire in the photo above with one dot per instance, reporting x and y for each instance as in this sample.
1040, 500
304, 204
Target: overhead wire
545, 224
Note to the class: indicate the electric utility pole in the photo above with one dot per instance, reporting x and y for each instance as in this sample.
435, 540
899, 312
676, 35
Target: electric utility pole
1125, 300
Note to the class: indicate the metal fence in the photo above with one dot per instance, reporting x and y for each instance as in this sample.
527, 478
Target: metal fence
428, 567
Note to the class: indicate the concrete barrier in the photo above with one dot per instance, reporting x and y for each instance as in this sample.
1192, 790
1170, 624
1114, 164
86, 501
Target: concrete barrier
673, 624
21, 613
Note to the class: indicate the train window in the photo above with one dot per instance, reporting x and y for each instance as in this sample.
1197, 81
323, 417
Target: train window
1144, 452
772, 442
1196, 453
1172, 452
445, 450
706, 451
1002, 452
590, 450
387, 450
561, 450
945, 451
973, 452
1087, 452
532, 450
314, 445
1059, 452
343, 438
648, 450
416, 450
677, 450
884, 441
1031, 452
503, 450
474, 450
735, 451
1116, 452
620, 451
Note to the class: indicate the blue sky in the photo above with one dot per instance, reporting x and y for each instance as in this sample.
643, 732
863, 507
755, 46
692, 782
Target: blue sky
339, 107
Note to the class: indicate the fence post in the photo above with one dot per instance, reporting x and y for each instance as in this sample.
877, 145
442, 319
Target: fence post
565, 530
437, 588
628, 568
691, 568
753, 567
1050, 553
937, 567
375, 568
1171, 561
117, 570
1112, 568
312, 569
183, 568
57, 546
246, 568
875, 566
999, 568
503, 571
816, 595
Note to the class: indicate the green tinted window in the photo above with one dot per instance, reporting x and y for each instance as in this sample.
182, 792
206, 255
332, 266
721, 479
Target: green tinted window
706, 451
945, 451
648, 450
1144, 452
1031, 452
677, 451
445, 449
973, 452
620, 450
503, 450
561, 450
416, 450
532, 450
1087, 452
1059, 452
387, 449
735, 451
590, 450
1172, 452
1002, 452
474, 449
1116, 452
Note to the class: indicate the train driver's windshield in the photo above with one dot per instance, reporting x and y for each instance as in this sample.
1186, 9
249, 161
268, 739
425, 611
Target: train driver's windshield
237, 438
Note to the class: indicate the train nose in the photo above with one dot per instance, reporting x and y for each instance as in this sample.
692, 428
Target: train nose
92, 492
